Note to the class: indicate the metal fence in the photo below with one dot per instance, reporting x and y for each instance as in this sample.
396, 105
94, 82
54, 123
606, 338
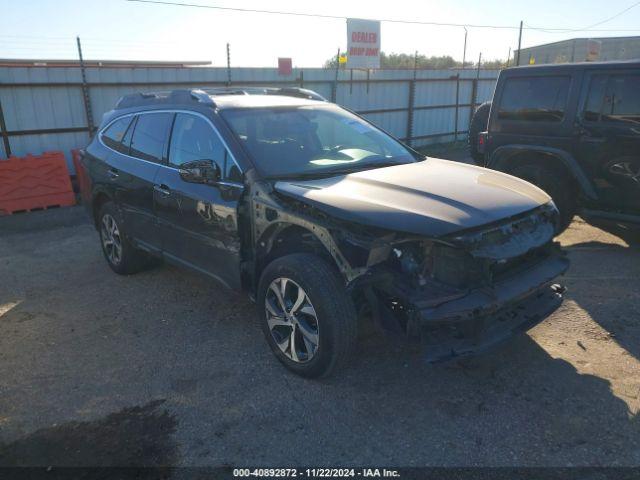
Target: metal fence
54, 108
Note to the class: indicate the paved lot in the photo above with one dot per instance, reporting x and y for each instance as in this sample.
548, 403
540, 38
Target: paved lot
166, 367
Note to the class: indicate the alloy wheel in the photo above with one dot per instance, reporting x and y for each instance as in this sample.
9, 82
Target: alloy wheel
292, 320
111, 239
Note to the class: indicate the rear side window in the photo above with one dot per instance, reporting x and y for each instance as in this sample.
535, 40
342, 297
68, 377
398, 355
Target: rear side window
150, 136
114, 135
613, 98
622, 99
541, 99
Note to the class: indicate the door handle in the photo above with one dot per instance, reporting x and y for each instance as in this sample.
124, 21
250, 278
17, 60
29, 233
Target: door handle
113, 173
162, 190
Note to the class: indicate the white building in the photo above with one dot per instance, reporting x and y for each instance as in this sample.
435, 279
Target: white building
581, 50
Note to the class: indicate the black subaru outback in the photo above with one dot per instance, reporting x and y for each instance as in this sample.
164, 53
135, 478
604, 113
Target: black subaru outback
571, 129
323, 219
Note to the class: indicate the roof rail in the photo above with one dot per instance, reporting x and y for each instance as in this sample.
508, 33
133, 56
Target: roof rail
285, 91
154, 98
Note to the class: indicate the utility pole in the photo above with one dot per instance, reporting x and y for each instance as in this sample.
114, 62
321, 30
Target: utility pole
509, 56
479, 63
519, 44
464, 52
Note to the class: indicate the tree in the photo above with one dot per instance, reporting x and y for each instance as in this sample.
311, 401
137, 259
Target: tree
405, 60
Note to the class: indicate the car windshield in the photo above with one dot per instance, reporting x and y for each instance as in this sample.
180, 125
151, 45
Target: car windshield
312, 141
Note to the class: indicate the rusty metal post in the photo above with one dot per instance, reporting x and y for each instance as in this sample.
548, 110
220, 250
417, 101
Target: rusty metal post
457, 105
519, 45
228, 65
85, 90
412, 94
474, 95
3, 132
334, 89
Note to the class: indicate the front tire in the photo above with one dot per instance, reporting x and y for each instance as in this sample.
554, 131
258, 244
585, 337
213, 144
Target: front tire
306, 315
120, 254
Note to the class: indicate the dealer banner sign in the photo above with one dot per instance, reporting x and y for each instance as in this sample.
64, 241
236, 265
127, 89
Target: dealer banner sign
363, 43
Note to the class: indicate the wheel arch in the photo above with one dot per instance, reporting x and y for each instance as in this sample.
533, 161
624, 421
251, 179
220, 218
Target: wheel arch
100, 197
507, 157
284, 238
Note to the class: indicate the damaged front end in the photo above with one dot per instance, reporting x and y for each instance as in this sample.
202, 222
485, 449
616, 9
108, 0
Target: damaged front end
457, 294
463, 293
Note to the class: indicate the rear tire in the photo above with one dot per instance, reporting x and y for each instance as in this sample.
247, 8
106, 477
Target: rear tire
121, 255
478, 124
557, 185
312, 327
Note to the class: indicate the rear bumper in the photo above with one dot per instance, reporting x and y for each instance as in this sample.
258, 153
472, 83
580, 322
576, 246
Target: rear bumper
486, 317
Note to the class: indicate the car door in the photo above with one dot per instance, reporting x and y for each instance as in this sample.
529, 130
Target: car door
608, 140
199, 222
134, 170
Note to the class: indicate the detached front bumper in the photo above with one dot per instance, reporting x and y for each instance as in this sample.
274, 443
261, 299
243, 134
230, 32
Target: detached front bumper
486, 317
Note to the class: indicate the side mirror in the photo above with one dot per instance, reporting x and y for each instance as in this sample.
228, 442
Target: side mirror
200, 171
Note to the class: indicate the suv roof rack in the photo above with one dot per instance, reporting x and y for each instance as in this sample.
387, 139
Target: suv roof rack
204, 96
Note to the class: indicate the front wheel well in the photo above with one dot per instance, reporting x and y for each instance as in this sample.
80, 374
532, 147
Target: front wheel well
283, 239
546, 161
98, 201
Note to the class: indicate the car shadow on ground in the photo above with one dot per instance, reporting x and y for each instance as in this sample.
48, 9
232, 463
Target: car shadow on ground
517, 399
137, 436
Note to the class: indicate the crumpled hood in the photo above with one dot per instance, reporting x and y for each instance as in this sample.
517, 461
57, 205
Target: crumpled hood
433, 198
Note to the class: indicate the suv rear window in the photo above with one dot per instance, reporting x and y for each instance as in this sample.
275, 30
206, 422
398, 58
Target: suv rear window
534, 99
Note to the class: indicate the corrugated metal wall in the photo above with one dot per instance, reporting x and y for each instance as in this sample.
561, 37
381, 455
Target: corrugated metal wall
37, 99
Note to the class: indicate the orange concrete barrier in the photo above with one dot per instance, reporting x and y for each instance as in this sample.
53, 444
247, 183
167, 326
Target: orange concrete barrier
34, 182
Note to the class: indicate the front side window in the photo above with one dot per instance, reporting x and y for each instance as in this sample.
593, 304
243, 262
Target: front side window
534, 99
114, 136
150, 135
294, 141
192, 139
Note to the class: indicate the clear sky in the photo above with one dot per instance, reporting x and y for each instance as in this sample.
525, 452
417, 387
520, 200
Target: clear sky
118, 29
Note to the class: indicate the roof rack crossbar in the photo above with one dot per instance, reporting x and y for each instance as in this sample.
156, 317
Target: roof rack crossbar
139, 99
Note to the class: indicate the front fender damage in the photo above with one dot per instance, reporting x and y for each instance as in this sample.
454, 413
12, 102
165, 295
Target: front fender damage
476, 287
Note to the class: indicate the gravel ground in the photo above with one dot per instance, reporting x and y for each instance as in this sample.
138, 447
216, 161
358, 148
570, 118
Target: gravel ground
165, 367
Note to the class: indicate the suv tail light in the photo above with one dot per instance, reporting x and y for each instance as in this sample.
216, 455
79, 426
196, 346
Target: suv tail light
482, 141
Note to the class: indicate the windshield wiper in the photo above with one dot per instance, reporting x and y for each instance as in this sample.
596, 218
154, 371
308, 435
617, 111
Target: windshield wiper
365, 166
338, 171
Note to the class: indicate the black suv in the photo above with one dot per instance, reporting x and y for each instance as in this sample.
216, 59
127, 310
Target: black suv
323, 219
571, 129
